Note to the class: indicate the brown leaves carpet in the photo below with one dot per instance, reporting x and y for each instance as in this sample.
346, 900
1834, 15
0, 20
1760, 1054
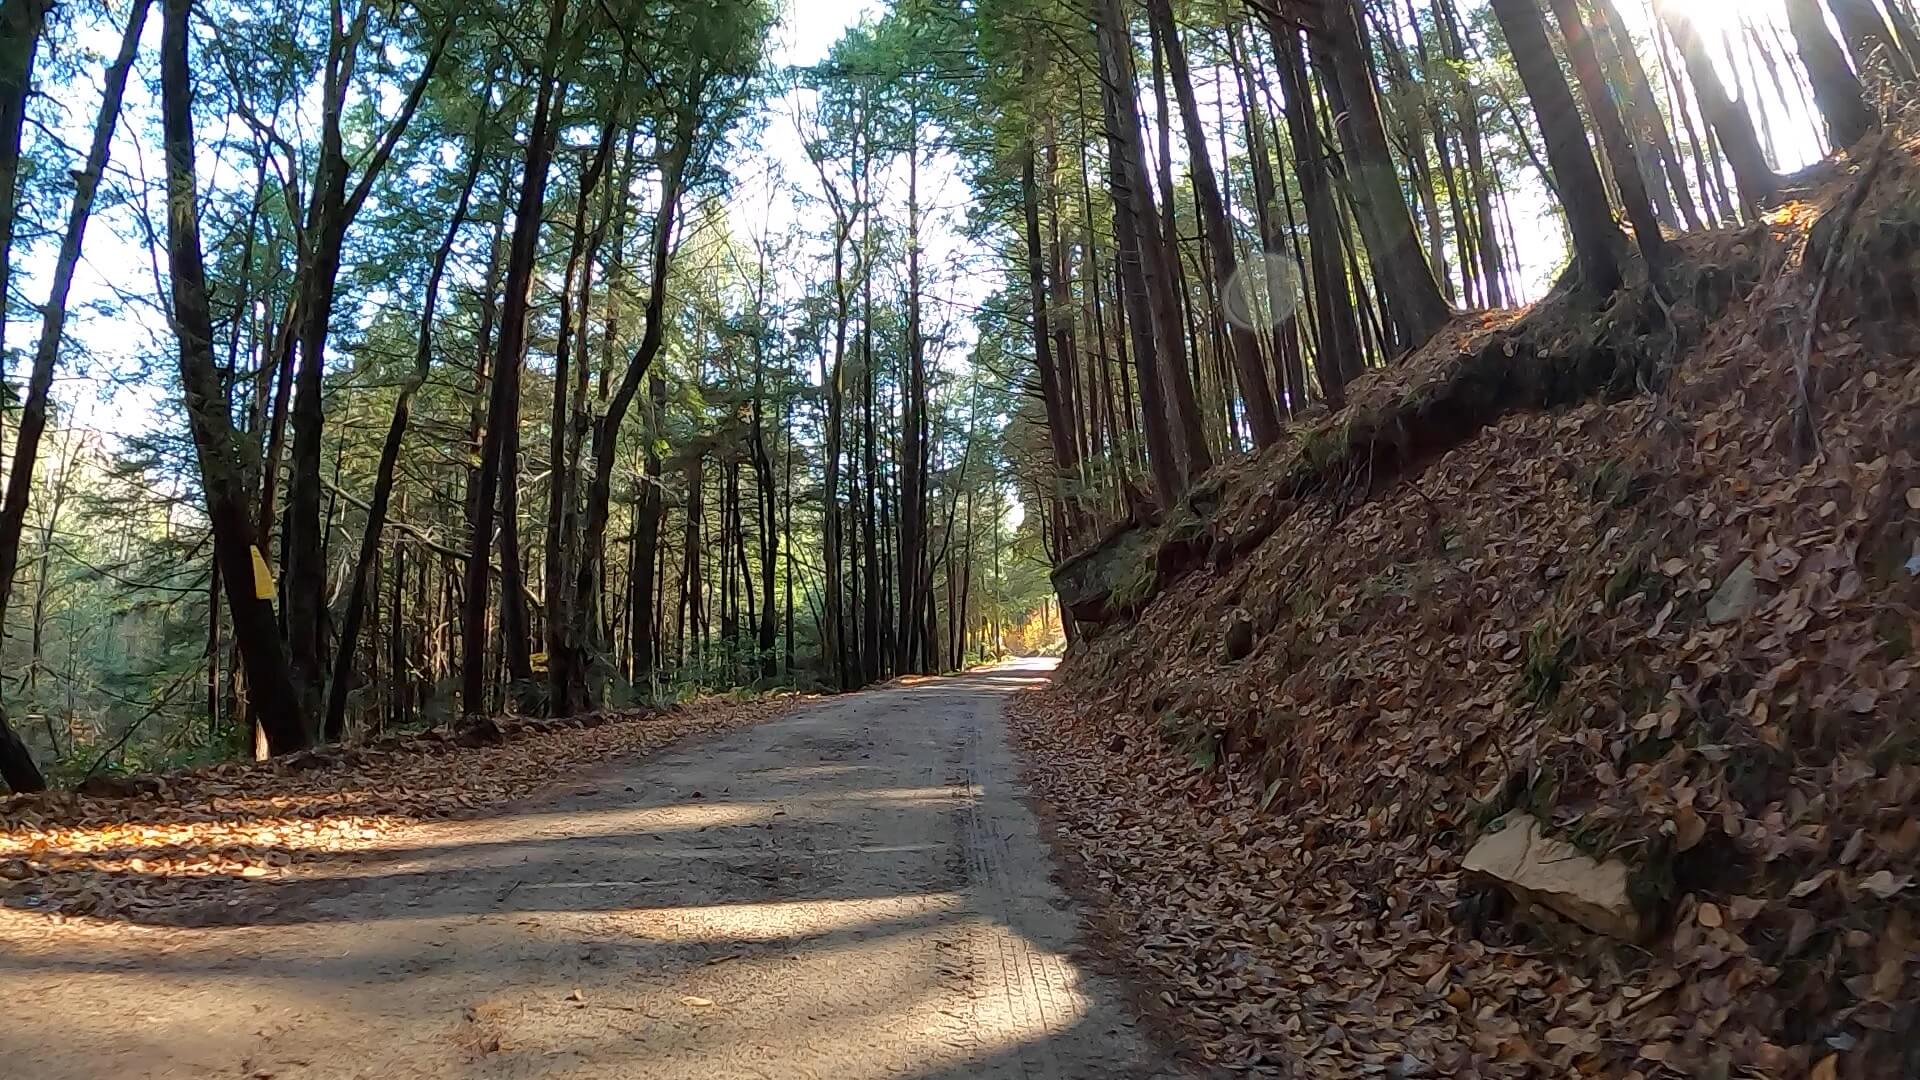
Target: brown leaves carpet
1537, 621
216, 845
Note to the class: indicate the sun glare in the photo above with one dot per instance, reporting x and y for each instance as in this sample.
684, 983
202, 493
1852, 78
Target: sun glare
1710, 17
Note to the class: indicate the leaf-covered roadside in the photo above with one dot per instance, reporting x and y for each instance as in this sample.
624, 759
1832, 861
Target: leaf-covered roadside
215, 844
1648, 622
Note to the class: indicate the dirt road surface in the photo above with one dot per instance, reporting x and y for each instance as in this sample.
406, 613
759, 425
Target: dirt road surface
851, 891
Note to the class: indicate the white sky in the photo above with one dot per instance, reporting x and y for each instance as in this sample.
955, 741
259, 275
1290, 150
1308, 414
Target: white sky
809, 28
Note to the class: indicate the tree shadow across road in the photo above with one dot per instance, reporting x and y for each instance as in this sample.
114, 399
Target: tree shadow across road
853, 890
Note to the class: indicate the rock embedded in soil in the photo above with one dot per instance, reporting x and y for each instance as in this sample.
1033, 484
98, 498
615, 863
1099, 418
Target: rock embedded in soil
1736, 597
1236, 635
1538, 868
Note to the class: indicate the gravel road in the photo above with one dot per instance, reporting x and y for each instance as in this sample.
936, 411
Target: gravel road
854, 890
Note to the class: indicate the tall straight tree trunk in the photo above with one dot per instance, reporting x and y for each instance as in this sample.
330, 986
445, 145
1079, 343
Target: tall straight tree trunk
1622, 61
1263, 415
1387, 222
766, 504
1066, 463
1583, 197
331, 209
559, 457
499, 455
1906, 28
1146, 262
1338, 328
871, 662
15, 765
1836, 89
786, 527
833, 643
692, 572
646, 539
1715, 207
1620, 151
1281, 305
915, 586
249, 596
1728, 118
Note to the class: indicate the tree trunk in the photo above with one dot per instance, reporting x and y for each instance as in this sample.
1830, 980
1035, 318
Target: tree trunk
561, 676
249, 594
915, 583
21, 24
581, 636
1868, 38
330, 211
1729, 119
503, 401
1337, 327
1836, 89
1620, 151
1263, 415
358, 586
646, 539
1387, 223
1583, 197
1159, 352
33, 412
1619, 55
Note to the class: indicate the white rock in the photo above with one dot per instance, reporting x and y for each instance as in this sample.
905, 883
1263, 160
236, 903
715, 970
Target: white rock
1552, 872
1736, 596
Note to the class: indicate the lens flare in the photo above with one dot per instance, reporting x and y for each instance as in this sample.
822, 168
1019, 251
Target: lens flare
1264, 291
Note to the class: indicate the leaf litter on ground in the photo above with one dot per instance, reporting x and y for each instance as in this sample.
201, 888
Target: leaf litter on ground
211, 845
1540, 620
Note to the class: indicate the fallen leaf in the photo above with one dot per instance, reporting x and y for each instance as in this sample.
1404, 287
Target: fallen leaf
1689, 829
1811, 885
696, 1002
1709, 916
1884, 885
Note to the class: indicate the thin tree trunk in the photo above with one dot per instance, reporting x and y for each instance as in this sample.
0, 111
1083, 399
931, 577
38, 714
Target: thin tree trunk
582, 643
1868, 38
1158, 349
1729, 119
559, 475
1387, 223
1583, 195
1263, 415
15, 764
503, 403
358, 588
1619, 55
21, 24
1620, 151
1339, 332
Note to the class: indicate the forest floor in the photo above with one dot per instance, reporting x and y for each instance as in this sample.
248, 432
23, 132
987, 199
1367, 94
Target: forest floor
1644, 582
852, 889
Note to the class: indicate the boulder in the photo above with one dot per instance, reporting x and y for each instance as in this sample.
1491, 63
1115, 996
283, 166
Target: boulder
1538, 868
1103, 582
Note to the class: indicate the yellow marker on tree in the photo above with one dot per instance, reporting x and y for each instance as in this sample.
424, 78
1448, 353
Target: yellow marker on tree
263, 586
